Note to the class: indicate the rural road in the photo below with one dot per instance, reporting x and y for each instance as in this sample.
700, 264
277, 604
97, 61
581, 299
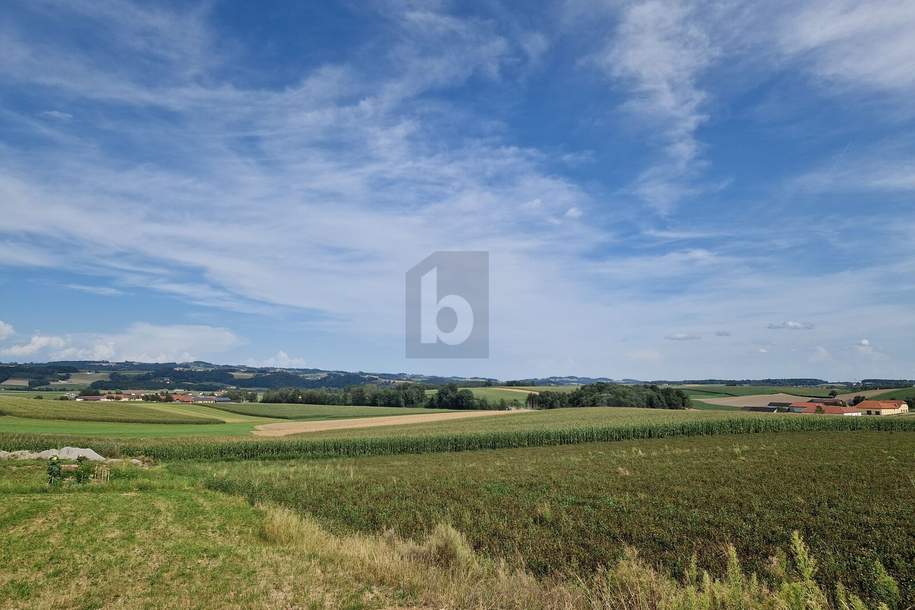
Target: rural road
293, 427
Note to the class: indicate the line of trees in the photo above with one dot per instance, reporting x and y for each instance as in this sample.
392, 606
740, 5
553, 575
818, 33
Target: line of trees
612, 395
401, 395
414, 395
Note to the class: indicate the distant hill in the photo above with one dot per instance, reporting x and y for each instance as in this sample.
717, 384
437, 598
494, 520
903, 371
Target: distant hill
205, 376
200, 375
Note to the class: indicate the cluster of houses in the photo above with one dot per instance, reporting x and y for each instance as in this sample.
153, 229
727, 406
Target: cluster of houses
135, 395
833, 406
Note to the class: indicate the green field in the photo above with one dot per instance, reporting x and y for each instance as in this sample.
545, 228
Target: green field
151, 538
718, 391
574, 508
128, 412
82, 379
531, 489
898, 394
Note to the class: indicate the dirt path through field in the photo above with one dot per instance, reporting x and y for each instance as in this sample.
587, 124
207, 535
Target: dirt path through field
287, 428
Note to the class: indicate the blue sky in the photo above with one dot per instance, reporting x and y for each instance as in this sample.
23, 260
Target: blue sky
666, 189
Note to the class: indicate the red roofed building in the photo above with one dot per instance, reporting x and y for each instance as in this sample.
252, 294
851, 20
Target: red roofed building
883, 407
827, 409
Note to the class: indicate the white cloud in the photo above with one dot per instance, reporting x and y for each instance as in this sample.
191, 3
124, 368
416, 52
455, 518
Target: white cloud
847, 42
790, 325
682, 337
280, 360
660, 49
141, 342
37, 344
57, 115
317, 195
6, 330
105, 291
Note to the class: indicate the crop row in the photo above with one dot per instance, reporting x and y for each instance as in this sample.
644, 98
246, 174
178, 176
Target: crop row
214, 449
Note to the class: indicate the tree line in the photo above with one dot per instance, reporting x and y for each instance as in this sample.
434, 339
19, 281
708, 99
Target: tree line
414, 395
612, 395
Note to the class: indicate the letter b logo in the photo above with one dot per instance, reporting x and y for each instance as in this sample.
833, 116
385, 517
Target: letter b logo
447, 306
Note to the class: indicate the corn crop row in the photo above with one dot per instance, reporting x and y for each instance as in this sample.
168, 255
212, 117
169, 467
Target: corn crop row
215, 449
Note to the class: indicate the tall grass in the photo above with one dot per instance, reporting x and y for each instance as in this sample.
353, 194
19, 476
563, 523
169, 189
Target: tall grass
211, 449
443, 571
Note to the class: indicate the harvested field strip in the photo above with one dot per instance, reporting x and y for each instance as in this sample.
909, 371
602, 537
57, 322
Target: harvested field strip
316, 412
300, 427
208, 448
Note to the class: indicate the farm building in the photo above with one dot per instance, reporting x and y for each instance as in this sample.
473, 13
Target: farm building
835, 402
211, 399
883, 407
820, 409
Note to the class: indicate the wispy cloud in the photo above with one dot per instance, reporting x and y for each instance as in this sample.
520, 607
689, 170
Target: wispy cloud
183, 172
105, 291
853, 43
790, 325
660, 50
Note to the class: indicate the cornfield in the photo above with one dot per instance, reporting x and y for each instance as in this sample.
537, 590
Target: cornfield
214, 449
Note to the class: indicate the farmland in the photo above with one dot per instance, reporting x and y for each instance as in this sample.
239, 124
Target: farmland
575, 507
88, 411
155, 538
494, 395
558, 495
718, 391
316, 412
899, 394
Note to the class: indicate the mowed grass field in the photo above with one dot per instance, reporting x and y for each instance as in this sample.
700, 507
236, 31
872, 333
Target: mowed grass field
574, 508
